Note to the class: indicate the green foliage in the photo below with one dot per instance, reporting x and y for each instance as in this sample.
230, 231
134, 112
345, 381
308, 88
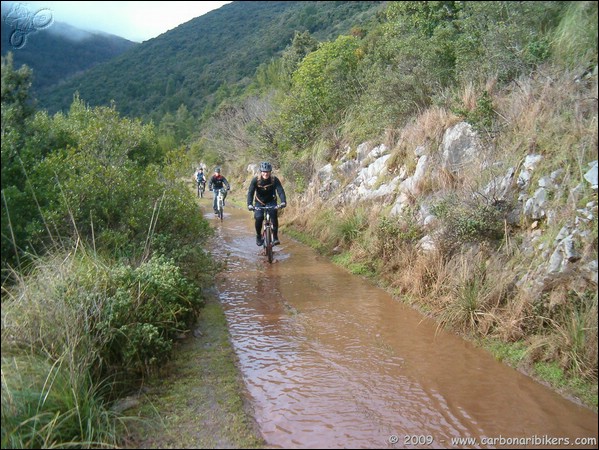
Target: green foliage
512, 353
16, 113
15, 93
350, 227
323, 86
81, 332
483, 115
468, 221
45, 405
102, 134
357, 268
503, 39
302, 45
392, 234
424, 17
269, 75
92, 175
145, 308
575, 39
569, 331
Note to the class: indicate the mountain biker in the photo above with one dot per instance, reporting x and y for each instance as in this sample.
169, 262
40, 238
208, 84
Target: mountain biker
264, 190
199, 175
217, 181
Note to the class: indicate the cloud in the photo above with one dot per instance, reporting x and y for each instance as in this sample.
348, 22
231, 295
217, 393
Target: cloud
136, 21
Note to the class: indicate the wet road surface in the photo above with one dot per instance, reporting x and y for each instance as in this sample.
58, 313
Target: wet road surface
331, 361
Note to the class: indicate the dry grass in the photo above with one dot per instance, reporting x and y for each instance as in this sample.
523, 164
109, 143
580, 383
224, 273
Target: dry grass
476, 293
425, 130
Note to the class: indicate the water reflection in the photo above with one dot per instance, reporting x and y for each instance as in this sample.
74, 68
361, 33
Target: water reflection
331, 361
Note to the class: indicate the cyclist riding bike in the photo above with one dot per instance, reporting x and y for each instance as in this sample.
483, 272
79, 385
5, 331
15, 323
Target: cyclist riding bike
263, 191
217, 181
199, 175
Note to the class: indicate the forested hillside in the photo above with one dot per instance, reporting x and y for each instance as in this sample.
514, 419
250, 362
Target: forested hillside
59, 52
199, 63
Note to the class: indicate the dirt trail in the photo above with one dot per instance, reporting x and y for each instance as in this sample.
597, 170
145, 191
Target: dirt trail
331, 361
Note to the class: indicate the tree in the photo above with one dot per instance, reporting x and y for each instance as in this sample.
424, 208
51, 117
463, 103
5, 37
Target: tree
17, 207
301, 45
323, 86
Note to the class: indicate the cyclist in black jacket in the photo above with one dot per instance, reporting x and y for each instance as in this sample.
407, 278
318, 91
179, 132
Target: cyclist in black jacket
264, 190
217, 181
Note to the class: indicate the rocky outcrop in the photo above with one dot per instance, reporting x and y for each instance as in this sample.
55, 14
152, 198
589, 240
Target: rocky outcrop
363, 175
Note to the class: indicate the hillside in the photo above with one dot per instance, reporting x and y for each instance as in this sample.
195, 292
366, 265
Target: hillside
219, 51
61, 51
446, 151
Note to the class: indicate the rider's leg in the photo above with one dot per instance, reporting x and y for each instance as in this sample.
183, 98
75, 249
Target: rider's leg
259, 219
275, 227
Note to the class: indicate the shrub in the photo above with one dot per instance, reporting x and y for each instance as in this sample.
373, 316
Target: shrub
471, 221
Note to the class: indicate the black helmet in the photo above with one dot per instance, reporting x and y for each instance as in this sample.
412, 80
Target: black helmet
265, 167
217, 170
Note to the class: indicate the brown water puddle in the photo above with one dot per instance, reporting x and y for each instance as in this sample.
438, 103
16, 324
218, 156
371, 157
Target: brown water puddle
331, 361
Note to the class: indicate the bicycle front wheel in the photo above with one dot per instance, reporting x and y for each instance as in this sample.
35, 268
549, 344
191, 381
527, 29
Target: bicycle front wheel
220, 210
268, 243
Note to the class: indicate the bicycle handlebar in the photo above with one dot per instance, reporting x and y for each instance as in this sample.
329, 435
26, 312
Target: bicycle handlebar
264, 208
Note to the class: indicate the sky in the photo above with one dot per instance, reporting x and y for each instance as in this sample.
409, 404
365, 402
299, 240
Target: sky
136, 21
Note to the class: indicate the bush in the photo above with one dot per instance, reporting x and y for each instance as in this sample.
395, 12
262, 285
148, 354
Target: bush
146, 307
466, 222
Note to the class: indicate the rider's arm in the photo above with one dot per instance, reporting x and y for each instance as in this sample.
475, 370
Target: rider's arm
251, 192
280, 191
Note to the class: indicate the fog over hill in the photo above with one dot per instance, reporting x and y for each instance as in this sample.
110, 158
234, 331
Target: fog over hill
56, 51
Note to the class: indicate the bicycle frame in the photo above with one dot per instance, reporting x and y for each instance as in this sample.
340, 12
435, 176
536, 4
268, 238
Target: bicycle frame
220, 203
201, 188
267, 233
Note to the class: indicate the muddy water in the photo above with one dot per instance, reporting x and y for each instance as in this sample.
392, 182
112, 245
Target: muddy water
331, 361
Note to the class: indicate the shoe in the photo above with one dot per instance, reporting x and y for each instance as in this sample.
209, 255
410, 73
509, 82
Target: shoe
276, 241
259, 241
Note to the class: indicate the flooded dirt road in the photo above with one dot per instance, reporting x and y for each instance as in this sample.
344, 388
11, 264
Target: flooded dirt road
331, 361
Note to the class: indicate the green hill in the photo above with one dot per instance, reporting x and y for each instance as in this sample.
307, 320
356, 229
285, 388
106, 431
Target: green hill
187, 65
60, 51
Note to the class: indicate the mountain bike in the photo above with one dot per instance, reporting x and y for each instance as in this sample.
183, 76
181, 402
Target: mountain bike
220, 202
201, 188
267, 233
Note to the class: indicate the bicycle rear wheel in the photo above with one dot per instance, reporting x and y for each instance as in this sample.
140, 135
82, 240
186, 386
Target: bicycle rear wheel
268, 244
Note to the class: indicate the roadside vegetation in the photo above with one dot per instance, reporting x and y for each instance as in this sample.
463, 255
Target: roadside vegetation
105, 262
196, 401
524, 75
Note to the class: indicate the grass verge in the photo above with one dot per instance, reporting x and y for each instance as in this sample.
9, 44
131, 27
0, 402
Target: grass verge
197, 401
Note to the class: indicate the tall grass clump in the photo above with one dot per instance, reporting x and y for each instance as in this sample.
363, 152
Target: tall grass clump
50, 405
350, 226
77, 334
575, 39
